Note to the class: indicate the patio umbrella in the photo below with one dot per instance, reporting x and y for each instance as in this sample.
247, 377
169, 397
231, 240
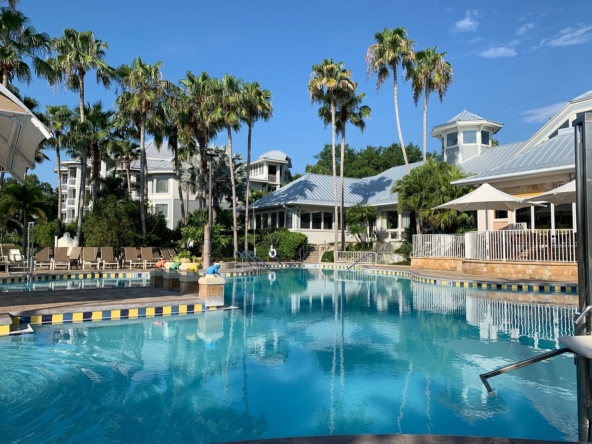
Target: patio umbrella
558, 196
20, 134
486, 198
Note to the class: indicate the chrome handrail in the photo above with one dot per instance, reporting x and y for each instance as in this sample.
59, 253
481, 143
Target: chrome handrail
366, 255
256, 258
244, 258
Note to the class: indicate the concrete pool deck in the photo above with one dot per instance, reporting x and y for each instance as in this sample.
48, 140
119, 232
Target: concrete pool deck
393, 439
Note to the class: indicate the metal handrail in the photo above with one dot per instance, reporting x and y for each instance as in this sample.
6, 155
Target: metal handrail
244, 258
256, 258
363, 257
303, 250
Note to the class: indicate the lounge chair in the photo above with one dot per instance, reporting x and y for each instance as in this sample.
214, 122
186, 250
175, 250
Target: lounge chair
131, 255
89, 257
4, 249
60, 258
16, 260
148, 258
107, 257
74, 256
43, 258
166, 254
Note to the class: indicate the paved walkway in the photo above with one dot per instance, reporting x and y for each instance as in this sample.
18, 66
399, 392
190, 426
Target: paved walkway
394, 439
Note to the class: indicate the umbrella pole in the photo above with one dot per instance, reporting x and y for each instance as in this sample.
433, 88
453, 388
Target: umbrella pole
486, 233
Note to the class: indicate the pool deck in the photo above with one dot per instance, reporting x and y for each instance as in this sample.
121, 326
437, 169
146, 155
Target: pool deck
394, 439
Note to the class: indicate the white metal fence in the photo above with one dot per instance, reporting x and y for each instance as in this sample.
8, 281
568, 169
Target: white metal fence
438, 245
500, 245
353, 256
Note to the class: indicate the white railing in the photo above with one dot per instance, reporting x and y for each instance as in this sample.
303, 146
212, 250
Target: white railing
522, 245
517, 226
71, 181
438, 245
273, 178
70, 202
353, 256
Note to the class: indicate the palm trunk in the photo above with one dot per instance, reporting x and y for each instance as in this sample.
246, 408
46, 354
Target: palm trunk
82, 190
5, 78
198, 195
25, 232
417, 223
335, 227
248, 188
425, 125
96, 164
1, 179
174, 146
58, 161
143, 175
232, 184
396, 95
341, 209
128, 175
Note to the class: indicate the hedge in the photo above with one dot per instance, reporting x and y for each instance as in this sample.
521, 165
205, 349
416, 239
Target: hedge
286, 243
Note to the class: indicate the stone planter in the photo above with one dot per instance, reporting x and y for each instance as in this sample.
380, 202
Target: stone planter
170, 280
189, 283
211, 290
156, 277
227, 265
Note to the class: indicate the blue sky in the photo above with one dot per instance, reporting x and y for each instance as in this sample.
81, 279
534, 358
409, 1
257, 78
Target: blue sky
514, 62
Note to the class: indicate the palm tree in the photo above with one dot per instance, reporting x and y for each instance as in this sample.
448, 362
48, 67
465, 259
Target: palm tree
12, 3
58, 119
23, 201
122, 145
18, 39
430, 73
144, 89
328, 80
392, 48
349, 110
77, 53
256, 105
228, 100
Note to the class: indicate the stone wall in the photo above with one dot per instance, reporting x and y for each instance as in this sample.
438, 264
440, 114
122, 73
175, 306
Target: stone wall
549, 271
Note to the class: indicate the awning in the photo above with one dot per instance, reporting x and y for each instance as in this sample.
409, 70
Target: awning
20, 134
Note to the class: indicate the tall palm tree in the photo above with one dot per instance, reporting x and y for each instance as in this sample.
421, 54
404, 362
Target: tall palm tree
77, 53
392, 48
23, 201
328, 80
431, 73
256, 105
58, 119
228, 99
18, 39
349, 110
12, 3
144, 89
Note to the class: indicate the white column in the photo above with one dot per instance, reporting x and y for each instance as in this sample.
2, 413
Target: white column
532, 219
552, 219
574, 219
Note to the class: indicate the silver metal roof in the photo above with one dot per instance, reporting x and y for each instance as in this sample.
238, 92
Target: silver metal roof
160, 153
555, 153
317, 189
464, 116
274, 155
490, 156
585, 96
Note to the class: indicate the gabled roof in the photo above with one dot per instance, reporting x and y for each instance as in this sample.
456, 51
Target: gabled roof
585, 96
274, 155
152, 151
317, 189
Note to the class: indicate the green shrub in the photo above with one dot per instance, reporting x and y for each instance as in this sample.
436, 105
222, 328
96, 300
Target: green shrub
286, 243
327, 256
45, 232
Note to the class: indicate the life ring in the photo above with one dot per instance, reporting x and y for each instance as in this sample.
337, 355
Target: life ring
271, 277
272, 253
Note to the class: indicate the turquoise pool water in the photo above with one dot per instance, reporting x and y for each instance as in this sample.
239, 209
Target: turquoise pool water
75, 284
308, 352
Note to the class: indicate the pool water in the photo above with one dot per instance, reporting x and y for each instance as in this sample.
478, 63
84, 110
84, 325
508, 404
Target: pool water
308, 352
75, 284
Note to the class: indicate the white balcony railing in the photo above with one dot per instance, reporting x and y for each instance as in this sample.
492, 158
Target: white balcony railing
70, 202
71, 181
273, 178
500, 245
438, 245
353, 256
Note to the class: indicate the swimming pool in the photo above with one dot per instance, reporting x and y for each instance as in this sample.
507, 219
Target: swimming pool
309, 352
76, 284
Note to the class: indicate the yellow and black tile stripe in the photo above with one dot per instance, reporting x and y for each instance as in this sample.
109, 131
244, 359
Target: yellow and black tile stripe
79, 275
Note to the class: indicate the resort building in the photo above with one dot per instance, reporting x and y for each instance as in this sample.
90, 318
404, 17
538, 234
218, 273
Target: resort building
163, 186
523, 169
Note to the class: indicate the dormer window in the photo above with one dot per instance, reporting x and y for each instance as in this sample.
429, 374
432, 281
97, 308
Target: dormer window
484, 137
470, 136
452, 139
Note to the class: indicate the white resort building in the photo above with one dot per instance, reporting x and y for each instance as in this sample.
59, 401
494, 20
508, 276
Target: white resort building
272, 169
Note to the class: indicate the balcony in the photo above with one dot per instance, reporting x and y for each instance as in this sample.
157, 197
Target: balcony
71, 181
273, 178
71, 202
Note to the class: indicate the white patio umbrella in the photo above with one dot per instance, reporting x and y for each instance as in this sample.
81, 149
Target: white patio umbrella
487, 198
20, 134
561, 195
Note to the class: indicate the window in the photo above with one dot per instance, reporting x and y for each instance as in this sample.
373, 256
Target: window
470, 136
327, 220
452, 139
289, 219
305, 220
162, 209
72, 172
392, 220
264, 222
273, 220
485, 137
281, 221
317, 219
161, 186
258, 220
501, 214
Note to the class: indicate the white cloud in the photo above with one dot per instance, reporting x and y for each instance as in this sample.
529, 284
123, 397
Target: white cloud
524, 28
541, 115
469, 23
496, 53
570, 36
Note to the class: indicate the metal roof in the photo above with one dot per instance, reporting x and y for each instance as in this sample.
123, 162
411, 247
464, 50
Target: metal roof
490, 156
160, 153
464, 116
155, 166
274, 155
555, 153
585, 96
317, 189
